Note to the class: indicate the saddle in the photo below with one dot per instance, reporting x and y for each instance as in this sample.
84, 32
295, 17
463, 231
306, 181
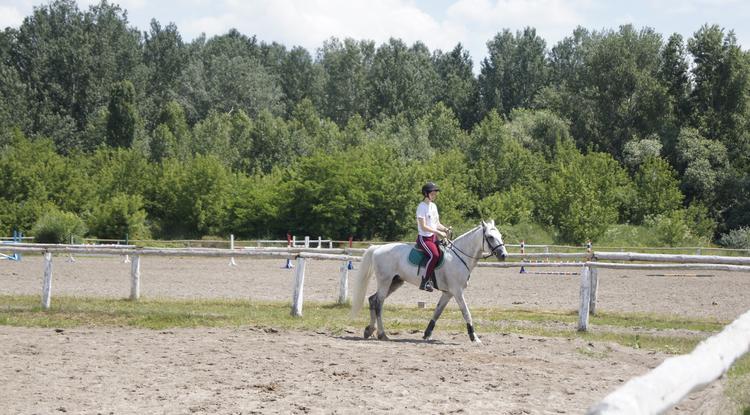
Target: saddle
418, 257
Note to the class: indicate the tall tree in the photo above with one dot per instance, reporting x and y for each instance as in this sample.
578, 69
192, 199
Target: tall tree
68, 60
458, 88
514, 71
123, 115
165, 57
346, 65
722, 86
402, 80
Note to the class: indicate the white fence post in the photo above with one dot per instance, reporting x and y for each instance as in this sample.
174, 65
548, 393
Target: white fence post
135, 278
344, 283
307, 241
299, 283
47, 288
583, 311
231, 247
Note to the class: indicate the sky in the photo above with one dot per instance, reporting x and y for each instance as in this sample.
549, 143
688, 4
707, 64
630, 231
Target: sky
439, 24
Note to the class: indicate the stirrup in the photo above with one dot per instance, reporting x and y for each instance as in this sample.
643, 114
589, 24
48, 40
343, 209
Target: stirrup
426, 285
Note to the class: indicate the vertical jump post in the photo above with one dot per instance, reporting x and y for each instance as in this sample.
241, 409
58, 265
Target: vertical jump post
47, 286
299, 284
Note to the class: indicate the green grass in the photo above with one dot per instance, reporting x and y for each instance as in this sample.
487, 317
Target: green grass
641, 331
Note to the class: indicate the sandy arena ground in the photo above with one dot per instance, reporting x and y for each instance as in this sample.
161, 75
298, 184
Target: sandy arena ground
260, 370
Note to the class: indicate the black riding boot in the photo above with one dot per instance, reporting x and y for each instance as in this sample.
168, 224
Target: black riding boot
426, 284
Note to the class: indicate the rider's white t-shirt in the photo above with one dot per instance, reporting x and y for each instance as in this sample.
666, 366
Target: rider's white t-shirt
429, 212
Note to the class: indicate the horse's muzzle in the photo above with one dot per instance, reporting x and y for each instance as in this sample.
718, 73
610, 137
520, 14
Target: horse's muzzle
501, 255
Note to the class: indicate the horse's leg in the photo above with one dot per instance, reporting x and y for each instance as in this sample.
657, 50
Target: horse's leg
467, 316
376, 308
436, 315
371, 327
376, 303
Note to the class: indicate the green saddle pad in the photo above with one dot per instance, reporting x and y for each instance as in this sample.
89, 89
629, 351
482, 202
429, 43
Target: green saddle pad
419, 258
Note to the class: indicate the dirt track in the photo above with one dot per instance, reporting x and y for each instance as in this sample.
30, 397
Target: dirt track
251, 370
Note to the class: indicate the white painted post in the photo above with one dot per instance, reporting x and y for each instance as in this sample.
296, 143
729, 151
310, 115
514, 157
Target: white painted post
583, 311
320, 242
47, 288
299, 283
231, 247
307, 241
344, 283
594, 288
135, 278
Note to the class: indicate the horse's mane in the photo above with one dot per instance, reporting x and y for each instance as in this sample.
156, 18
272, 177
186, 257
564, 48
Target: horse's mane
467, 232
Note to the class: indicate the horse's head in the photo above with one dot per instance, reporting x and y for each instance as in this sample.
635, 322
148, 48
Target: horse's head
494, 240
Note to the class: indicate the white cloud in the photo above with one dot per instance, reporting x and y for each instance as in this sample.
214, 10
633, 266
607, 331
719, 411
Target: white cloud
11, 16
310, 23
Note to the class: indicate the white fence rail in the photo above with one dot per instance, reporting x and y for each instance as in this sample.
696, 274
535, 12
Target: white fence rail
667, 384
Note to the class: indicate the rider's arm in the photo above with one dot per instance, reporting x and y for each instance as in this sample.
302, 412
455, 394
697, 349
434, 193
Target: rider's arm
438, 231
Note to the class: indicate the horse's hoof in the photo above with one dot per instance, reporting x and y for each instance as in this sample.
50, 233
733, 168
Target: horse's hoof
368, 332
476, 341
382, 336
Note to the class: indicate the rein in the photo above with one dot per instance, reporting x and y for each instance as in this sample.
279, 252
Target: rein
456, 250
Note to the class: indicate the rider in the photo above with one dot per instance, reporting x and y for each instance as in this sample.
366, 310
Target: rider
428, 226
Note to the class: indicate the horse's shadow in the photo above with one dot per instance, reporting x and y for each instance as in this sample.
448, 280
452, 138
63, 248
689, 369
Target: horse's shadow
392, 340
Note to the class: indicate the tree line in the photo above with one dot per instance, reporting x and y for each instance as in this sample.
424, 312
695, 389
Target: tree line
109, 131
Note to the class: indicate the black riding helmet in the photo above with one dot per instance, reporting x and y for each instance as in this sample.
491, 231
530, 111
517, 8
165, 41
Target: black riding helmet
429, 187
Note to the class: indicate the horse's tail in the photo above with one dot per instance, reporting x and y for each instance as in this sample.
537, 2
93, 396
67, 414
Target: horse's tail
363, 278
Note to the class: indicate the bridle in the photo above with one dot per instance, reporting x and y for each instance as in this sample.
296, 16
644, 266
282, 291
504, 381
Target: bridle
486, 239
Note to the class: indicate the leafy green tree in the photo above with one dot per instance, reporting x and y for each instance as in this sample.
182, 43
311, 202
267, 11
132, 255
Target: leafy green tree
703, 163
58, 227
583, 195
272, 144
165, 57
657, 190
346, 66
458, 88
254, 206
300, 78
68, 60
172, 117
122, 122
514, 72
538, 130
722, 81
499, 160
35, 178
636, 152
120, 217
402, 80
213, 135
674, 74
510, 207
444, 130
188, 198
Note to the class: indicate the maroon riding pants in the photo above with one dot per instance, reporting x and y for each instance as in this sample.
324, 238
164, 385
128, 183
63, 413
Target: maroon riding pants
429, 244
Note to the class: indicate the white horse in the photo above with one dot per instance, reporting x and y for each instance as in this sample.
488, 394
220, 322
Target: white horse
390, 264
